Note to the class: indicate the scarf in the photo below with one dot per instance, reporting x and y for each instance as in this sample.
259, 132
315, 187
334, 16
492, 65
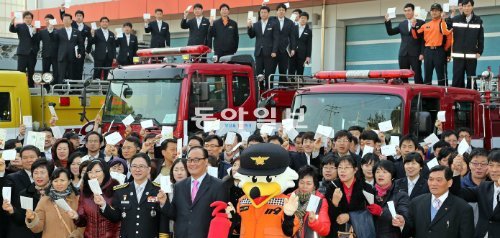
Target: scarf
301, 210
54, 195
382, 191
41, 190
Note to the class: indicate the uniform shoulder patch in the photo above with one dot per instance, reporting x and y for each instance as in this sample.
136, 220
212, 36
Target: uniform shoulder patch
156, 184
120, 186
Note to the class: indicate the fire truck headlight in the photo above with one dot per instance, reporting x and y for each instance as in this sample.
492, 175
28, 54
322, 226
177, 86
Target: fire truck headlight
37, 77
47, 78
261, 77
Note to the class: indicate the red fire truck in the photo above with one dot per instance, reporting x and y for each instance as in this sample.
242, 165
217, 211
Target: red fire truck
182, 95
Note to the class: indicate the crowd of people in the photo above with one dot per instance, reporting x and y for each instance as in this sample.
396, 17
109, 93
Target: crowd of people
280, 42
457, 35
410, 197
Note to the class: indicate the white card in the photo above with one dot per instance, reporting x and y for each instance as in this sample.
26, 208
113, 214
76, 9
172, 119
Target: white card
18, 16
165, 184
431, 140
417, 11
369, 197
391, 12
38, 24
6, 193
146, 16
53, 112
432, 163
213, 171
53, 22
446, 7
423, 14
250, 14
312, 205
26, 203
323, 131
388, 150
441, 116
113, 138
147, 124
394, 140
67, 3
211, 125
63, 204
28, 121
265, 1
367, 149
9, 154
293, 16
189, 8
237, 146
3, 138
287, 5
230, 136
128, 120
179, 148
94, 186
36, 139
392, 208
244, 135
453, 2
292, 133
118, 177
119, 35
56, 130
267, 129
385, 126
93, 25
287, 123
213, 13
462, 147
254, 19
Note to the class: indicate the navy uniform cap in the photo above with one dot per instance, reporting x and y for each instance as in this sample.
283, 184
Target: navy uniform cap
264, 159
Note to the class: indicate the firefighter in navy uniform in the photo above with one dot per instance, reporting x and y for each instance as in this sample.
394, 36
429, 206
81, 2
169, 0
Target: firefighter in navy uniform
468, 44
264, 176
139, 205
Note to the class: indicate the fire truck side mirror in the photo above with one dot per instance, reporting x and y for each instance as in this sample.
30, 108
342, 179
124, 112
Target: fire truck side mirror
425, 125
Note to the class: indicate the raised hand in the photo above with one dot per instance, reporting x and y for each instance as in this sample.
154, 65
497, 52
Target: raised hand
291, 205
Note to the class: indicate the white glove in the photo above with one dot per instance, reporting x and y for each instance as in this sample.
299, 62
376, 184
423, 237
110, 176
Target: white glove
291, 205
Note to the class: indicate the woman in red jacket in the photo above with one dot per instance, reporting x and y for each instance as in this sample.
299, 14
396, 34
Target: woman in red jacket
312, 223
89, 214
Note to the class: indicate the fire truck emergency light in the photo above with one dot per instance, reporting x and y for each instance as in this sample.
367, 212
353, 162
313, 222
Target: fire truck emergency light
187, 50
375, 74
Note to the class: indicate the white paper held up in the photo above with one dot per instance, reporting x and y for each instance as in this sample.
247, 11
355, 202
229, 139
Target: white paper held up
431, 140
369, 197
388, 150
391, 12
367, 149
146, 16
213, 171
432, 163
28, 121
165, 184
63, 204
312, 205
94, 186
230, 136
6, 193
385, 126
9, 154
128, 120
118, 177
462, 147
26, 203
147, 124
441, 115
392, 209
113, 138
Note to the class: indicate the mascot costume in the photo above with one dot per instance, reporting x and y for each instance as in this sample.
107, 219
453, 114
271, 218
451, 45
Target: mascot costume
264, 210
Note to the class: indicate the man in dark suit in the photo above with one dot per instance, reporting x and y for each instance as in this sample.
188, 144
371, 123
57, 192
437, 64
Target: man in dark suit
85, 33
286, 27
311, 154
4, 218
21, 179
190, 207
224, 33
28, 47
266, 33
301, 46
105, 49
128, 45
70, 48
160, 32
410, 50
438, 214
198, 28
49, 49
487, 197
414, 183
138, 205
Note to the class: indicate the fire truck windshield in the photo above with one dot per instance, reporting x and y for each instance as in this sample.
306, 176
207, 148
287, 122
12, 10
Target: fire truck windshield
342, 110
146, 99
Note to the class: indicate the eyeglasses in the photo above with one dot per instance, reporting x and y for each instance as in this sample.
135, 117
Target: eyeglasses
211, 146
344, 168
139, 167
482, 165
94, 172
194, 160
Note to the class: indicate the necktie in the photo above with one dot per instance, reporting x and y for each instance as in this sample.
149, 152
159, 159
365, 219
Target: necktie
497, 198
194, 190
437, 203
159, 25
139, 193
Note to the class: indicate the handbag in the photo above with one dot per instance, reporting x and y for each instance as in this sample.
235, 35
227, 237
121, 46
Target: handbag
62, 220
349, 233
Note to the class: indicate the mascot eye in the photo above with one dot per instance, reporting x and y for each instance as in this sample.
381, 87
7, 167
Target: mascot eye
269, 179
254, 179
